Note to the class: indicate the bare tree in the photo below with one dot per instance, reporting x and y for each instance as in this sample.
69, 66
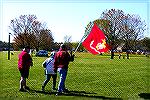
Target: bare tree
46, 40
115, 18
27, 30
67, 41
132, 30
123, 29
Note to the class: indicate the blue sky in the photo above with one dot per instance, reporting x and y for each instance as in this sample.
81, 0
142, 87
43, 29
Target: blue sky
67, 17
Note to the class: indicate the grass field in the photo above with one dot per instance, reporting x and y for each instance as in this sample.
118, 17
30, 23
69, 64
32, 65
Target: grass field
89, 77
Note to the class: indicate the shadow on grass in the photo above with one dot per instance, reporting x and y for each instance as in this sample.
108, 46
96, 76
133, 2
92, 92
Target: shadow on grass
42, 92
145, 95
77, 93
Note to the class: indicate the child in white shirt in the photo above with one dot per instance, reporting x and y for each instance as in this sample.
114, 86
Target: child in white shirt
48, 64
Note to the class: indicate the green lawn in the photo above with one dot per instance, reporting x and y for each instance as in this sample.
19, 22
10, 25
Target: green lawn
89, 77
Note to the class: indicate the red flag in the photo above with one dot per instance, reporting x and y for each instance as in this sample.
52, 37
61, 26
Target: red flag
96, 41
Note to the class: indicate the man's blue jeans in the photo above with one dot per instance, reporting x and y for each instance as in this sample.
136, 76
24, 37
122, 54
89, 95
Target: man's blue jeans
63, 74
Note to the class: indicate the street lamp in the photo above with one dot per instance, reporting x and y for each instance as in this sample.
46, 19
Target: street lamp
9, 47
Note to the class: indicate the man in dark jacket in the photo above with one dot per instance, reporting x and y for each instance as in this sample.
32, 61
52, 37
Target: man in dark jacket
62, 59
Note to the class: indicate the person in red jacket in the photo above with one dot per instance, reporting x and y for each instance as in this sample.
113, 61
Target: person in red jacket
24, 63
62, 59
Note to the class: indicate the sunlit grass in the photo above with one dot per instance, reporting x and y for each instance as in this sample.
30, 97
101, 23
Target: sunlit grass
89, 77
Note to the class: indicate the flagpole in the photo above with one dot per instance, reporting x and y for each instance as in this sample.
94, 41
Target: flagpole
79, 44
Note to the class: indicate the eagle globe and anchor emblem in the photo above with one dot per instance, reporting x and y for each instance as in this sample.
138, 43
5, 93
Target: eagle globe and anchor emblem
99, 46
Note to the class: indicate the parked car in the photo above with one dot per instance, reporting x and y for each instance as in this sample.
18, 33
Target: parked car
42, 53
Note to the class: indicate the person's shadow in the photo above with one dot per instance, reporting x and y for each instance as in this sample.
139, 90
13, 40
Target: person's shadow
145, 95
76, 93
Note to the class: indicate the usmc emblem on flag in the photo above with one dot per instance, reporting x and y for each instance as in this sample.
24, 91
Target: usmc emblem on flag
101, 45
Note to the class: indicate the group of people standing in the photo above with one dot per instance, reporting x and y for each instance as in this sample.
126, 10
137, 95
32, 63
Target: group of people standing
57, 62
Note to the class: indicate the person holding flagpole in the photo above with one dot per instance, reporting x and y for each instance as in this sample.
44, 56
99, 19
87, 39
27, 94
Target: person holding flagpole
94, 42
62, 59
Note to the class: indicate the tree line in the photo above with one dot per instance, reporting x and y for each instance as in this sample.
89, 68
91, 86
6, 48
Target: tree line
124, 29
27, 30
121, 29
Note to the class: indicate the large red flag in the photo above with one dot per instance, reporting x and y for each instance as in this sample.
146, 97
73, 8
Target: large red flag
96, 41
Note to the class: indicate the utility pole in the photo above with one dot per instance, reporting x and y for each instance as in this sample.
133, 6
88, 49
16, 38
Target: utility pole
9, 47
